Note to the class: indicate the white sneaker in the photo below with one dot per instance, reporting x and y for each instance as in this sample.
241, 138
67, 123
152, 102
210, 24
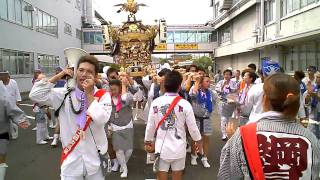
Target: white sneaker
54, 142
135, 118
49, 138
34, 129
51, 125
205, 163
194, 160
14, 137
115, 166
124, 174
42, 142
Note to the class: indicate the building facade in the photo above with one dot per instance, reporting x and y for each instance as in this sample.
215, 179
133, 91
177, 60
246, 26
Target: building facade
180, 42
248, 31
34, 34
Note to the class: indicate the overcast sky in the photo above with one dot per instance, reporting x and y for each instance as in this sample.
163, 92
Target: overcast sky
174, 11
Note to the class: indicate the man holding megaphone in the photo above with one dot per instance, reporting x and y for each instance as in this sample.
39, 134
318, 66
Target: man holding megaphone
83, 112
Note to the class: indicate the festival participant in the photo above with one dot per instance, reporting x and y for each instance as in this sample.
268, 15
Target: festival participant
192, 68
259, 77
167, 137
83, 113
36, 73
41, 112
311, 76
312, 96
237, 78
203, 102
192, 72
253, 104
299, 75
60, 84
112, 74
249, 79
224, 88
13, 90
156, 89
121, 123
275, 147
218, 77
8, 112
138, 98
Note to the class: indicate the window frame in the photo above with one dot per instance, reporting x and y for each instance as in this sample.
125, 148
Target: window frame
13, 62
41, 28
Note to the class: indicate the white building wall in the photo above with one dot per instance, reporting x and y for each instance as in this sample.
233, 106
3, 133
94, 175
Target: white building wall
16, 37
238, 61
242, 39
304, 20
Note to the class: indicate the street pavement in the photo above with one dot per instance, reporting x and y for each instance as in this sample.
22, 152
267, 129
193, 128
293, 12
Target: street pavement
29, 161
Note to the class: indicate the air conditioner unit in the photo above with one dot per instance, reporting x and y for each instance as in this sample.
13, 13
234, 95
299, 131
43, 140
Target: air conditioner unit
29, 7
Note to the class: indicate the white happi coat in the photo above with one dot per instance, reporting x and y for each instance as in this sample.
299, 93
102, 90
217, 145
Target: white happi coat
85, 154
182, 115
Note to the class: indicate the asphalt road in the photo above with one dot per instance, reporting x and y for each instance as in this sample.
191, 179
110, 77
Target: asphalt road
29, 161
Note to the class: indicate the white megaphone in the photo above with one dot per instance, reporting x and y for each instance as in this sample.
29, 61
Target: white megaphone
73, 55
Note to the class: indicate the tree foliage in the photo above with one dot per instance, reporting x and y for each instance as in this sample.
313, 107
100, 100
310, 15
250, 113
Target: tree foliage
203, 62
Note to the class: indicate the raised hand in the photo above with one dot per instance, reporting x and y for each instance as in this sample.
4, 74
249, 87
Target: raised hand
67, 72
88, 85
24, 124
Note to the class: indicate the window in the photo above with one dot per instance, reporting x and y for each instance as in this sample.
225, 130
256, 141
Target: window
216, 10
184, 37
78, 34
283, 8
48, 63
3, 9
67, 28
311, 1
225, 35
298, 57
16, 62
1, 62
11, 11
14, 10
269, 11
295, 4
192, 37
213, 37
93, 37
303, 3
170, 38
26, 15
18, 10
288, 6
78, 4
177, 37
47, 23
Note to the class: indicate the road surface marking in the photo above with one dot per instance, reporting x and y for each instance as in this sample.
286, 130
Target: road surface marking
30, 105
30, 117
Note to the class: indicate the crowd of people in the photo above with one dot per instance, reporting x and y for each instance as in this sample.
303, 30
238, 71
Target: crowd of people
261, 112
